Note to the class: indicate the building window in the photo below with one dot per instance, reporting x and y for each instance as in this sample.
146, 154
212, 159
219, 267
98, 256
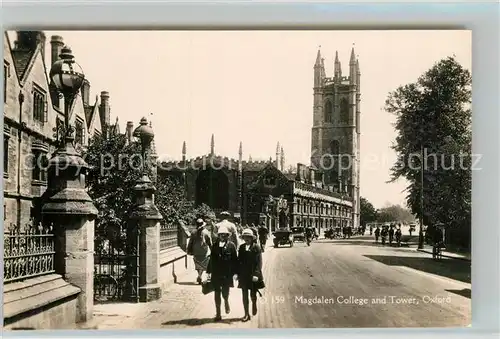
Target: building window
39, 166
344, 110
5, 156
39, 105
328, 111
79, 132
270, 181
6, 75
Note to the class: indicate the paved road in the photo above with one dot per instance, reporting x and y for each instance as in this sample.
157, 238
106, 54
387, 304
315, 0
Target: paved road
362, 276
328, 271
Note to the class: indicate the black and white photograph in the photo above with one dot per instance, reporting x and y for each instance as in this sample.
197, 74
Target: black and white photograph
201, 179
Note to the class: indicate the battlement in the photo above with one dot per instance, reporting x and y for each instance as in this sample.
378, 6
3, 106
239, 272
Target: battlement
215, 161
344, 80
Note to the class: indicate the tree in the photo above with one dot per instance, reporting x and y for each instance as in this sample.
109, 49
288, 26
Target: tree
434, 115
367, 212
394, 213
115, 169
291, 170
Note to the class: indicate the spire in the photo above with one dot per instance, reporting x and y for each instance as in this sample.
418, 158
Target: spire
282, 164
184, 151
352, 67
352, 61
250, 158
337, 68
357, 66
278, 148
318, 57
212, 145
319, 70
240, 151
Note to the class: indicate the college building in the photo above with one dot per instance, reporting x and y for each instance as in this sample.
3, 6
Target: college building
320, 195
33, 115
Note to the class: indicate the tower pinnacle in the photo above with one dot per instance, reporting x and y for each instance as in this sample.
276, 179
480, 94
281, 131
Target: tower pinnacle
318, 57
352, 61
212, 145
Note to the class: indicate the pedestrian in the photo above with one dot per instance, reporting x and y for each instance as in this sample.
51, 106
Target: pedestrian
263, 234
391, 234
222, 269
398, 236
383, 234
250, 278
377, 234
199, 246
234, 237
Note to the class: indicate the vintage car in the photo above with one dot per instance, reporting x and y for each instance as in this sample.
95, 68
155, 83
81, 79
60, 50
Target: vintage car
298, 233
283, 236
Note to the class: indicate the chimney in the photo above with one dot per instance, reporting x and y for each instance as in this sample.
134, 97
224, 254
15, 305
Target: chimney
129, 132
57, 43
104, 110
85, 91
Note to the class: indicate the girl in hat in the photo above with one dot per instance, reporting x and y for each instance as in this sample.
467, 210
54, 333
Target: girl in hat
199, 247
250, 271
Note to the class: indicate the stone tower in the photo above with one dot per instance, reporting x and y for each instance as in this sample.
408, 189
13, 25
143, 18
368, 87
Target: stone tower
335, 144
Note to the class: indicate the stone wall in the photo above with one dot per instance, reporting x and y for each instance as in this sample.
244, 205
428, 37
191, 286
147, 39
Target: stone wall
174, 262
46, 302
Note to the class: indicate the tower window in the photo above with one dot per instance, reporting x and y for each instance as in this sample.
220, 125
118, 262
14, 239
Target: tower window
344, 110
328, 111
335, 147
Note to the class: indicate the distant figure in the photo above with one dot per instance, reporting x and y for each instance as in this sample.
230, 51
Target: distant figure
233, 231
383, 234
398, 236
263, 234
391, 234
371, 230
377, 234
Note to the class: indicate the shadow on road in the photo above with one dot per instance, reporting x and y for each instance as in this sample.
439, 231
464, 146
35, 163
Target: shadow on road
450, 268
466, 292
187, 283
198, 322
362, 243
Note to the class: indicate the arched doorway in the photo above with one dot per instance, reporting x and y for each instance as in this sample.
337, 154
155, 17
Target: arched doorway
212, 189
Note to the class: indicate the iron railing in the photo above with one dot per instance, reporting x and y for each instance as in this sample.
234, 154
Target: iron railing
168, 236
28, 252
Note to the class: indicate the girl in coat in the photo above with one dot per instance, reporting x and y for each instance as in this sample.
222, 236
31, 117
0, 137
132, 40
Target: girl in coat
199, 247
250, 271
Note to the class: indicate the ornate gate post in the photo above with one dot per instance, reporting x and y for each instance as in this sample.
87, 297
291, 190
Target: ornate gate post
70, 209
147, 218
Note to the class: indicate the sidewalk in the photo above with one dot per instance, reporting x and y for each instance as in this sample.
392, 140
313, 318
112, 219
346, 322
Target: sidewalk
181, 306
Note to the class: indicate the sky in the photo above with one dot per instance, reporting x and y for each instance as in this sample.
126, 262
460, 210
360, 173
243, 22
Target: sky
257, 87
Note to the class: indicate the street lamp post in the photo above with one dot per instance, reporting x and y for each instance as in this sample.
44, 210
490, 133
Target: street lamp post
66, 203
145, 135
68, 77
